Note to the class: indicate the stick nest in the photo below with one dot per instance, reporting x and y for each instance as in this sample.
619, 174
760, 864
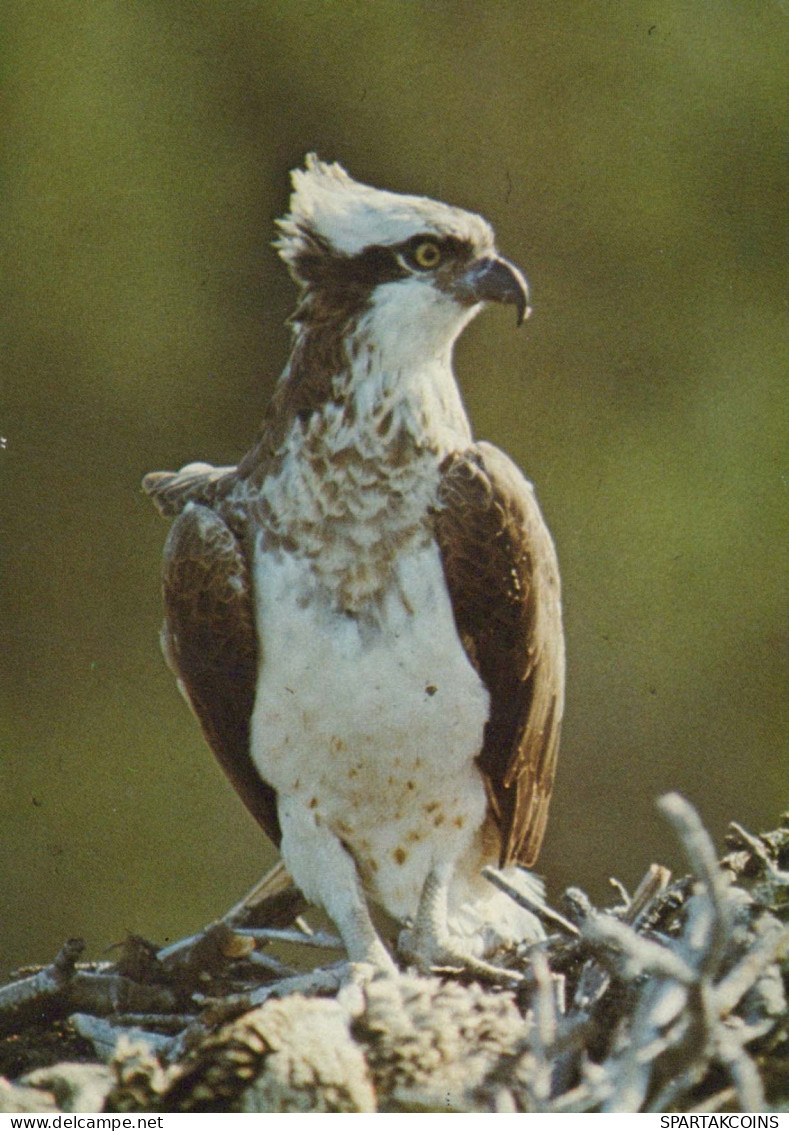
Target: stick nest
674, 999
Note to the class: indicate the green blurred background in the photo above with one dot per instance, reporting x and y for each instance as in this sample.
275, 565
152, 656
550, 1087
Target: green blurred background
633, 158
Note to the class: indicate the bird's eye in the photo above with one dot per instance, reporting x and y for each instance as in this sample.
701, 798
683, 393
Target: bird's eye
426, 255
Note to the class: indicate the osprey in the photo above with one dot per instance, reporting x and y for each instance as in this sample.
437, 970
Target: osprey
364, 614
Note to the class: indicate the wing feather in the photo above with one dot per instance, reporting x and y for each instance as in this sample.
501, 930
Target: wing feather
209, 635
502, 574
170, 491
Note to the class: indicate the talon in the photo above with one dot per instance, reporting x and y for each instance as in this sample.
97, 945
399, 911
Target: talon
434, 956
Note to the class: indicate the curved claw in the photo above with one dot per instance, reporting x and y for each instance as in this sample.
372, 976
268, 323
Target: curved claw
434, 955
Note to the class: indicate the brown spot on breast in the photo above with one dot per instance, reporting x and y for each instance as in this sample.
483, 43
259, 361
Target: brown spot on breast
459, 822
431, 808
414, 836
400, 856
385, 423
431, 689
438, 819
336, 746
313, 802
410, 785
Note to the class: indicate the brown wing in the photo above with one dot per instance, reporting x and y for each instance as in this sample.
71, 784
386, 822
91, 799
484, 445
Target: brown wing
170, 491
502, 575
209, 634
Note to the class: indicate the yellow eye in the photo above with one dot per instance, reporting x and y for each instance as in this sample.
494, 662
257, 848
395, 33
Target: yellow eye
427, 255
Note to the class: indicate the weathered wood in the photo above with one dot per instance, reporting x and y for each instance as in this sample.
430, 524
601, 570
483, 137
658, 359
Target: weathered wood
674, 999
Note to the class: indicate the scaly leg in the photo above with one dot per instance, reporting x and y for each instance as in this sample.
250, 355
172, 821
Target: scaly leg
428, 944
326, 873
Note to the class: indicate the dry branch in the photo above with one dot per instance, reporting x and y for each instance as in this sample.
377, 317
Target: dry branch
675, 999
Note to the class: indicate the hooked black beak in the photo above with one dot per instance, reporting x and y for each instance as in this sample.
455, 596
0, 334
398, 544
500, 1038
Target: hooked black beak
494, 279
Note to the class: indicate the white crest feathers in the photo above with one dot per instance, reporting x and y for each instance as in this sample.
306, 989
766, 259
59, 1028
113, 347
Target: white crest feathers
330, 208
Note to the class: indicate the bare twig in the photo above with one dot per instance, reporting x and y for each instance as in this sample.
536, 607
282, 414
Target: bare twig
632, 954
620, 890
655, 881
734, 985
759, 849
63, 988
700, 852
730, 1053
320, 939
714, 1102
104, 1035
40, 992
523, 899
268, 962
677, 993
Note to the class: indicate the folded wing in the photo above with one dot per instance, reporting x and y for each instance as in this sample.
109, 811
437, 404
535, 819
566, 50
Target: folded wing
209, 636
503, 579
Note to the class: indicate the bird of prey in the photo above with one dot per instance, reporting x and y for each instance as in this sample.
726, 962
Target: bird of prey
364, 614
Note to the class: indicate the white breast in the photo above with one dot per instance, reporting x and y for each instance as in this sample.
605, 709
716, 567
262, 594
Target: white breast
372, 721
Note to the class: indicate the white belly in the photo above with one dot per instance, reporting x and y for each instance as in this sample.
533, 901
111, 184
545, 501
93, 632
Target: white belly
371, 722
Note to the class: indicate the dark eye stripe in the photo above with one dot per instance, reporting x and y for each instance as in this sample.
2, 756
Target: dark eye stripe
451, 248
326, 269
319, 266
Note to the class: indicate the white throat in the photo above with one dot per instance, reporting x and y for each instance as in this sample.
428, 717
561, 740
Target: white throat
356, 483
401, 365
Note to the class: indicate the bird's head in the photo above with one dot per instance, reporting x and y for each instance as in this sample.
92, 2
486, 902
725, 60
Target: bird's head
416, 264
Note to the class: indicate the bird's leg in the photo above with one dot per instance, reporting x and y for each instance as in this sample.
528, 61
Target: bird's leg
326, 873
428, 944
